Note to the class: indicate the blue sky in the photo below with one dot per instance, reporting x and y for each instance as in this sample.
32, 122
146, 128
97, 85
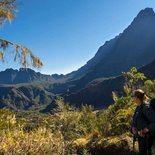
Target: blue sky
65, 34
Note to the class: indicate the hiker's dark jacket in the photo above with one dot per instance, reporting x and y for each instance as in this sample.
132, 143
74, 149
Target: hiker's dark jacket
144, 117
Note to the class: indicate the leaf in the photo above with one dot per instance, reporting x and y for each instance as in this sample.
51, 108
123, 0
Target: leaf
2, 55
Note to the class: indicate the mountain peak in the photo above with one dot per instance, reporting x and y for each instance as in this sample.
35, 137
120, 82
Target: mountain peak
146, 12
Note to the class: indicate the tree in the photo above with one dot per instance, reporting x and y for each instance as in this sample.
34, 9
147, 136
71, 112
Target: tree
21, 53
133, 80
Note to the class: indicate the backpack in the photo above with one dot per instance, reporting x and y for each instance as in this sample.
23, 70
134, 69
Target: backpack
152, 103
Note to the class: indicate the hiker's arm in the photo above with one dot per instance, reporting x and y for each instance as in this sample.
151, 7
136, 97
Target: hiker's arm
150, 114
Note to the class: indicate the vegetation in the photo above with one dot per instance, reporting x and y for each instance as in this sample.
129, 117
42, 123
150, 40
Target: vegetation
69, 130
21, 53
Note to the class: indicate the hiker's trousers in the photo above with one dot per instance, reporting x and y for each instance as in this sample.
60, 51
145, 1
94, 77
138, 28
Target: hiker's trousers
145, 145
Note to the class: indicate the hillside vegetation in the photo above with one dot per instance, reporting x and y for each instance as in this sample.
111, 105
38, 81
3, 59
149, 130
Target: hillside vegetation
68, 130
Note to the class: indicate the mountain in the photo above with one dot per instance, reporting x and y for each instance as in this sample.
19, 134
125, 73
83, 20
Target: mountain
133, 47
101, 53
26, 96
10, 76
39, 96
92, 83
99, 92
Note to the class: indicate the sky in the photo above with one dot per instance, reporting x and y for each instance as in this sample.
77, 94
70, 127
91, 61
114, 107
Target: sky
65, 34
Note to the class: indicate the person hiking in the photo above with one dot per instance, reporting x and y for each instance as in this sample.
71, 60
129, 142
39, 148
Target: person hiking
143, 124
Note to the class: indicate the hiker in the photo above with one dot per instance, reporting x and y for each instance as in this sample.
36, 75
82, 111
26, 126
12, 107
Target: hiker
143, 125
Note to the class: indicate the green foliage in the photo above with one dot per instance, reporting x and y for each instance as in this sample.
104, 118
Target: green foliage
116, 119
7, 119
134, 80
42, 141
72, 122
121, 144
149, 88
103, 123
88, 119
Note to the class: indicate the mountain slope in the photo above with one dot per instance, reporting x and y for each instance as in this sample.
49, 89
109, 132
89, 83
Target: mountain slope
10, 76
25, 96
134, 47
99, 93
101, 53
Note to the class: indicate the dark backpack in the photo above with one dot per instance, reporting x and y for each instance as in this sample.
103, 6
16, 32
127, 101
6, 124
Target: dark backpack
152, 104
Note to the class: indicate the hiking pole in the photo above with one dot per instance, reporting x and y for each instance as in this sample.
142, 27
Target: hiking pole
147, 144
